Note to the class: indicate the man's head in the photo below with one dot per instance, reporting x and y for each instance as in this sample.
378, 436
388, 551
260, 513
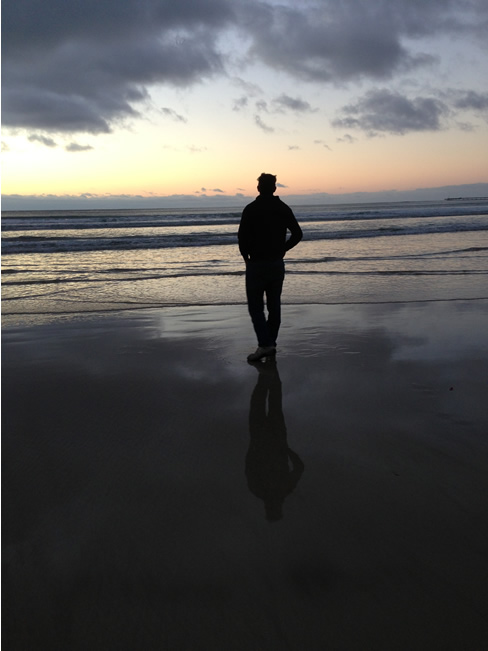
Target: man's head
266, 183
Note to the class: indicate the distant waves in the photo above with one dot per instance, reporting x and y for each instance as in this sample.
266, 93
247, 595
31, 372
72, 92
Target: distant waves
131, 230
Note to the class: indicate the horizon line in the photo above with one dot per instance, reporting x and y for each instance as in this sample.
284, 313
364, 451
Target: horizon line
14, 201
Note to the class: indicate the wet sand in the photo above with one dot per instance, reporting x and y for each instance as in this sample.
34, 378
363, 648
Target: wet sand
161, 493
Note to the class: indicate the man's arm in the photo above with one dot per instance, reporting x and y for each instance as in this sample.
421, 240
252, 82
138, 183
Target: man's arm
295, 230
243, 237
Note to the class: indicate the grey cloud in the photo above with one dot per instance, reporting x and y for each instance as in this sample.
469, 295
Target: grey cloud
251, 89
264, 127
50, 22
471, 100
324, 144
240, 103
293, 147
217, 190
81, 66
284, 102
262, 106
75, 147
73, 66
43, 140
347, 138
329, 41
170, 113
381, 110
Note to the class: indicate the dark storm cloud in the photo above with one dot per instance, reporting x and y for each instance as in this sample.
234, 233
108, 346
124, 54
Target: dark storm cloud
383, 111
80, 66
85, 65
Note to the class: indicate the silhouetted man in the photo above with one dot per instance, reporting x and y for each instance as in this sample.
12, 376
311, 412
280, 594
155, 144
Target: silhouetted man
263, 245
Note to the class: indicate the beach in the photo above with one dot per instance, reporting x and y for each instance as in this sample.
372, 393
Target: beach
159, 492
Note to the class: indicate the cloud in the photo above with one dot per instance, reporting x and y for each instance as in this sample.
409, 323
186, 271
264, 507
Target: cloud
83, 66
75, 147
262, 105
264, 127
240, 103
43, 140
251, 89
295, 104
471, 100
382, 110
293, 147
321, 142
72, 66
347, 138
284, 103
170, 113
329, 41
88, 200
5, 146
217, 190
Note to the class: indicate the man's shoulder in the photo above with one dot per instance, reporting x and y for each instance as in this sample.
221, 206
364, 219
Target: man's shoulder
281, 203
251, 204
283, 207
267, 204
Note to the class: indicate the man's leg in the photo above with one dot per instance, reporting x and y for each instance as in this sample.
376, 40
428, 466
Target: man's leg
255, 288
274, 286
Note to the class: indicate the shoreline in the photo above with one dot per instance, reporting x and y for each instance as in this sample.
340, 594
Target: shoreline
26, 319
137, 467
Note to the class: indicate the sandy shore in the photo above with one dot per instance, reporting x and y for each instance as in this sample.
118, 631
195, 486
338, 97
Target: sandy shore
161, 493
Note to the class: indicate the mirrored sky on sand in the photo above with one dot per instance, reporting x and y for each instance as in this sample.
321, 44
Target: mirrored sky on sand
132, 482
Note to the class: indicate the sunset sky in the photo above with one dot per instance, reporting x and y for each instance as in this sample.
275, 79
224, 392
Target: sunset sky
192, 100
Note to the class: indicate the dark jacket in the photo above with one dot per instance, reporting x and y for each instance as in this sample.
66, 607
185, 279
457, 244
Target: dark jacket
263, 229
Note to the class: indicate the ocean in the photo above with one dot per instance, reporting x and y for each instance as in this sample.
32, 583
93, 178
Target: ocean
65, 264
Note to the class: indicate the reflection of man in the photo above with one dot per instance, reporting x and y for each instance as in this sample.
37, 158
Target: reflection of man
263, 244
268, 473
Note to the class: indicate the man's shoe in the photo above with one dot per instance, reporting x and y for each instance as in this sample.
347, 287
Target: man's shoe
261, 351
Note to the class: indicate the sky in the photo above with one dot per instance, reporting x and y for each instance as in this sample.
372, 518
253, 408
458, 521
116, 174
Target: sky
156, 102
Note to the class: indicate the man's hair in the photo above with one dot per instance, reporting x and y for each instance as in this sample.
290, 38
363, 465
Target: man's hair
267, 183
